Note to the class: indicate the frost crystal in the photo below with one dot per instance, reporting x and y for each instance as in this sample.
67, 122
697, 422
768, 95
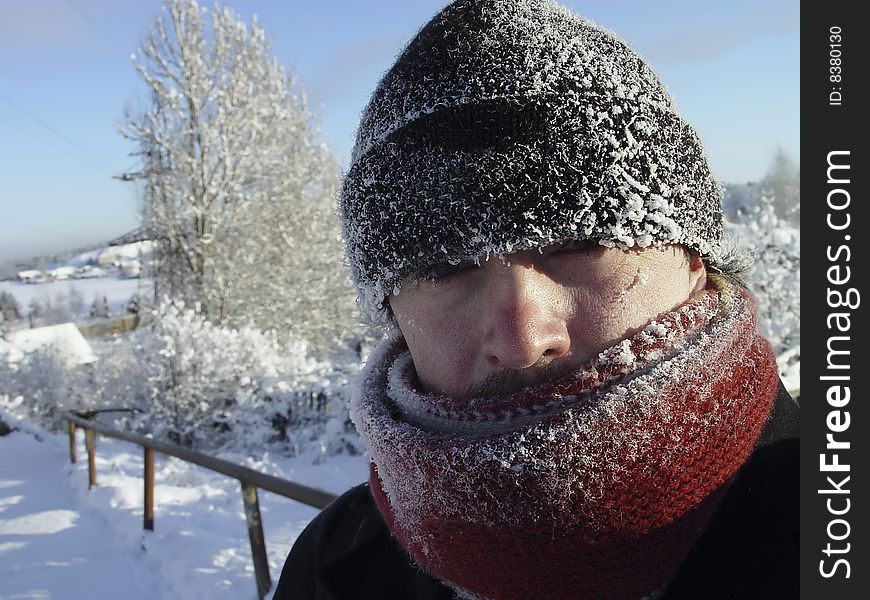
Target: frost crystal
507, 125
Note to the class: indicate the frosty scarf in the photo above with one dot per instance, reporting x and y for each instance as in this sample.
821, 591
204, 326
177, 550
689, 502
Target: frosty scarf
595, 486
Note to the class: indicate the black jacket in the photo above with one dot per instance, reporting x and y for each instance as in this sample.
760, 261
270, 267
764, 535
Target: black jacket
749, 550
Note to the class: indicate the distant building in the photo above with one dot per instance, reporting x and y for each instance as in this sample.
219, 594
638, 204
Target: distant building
87, 272
130, 267
9, 353
106, 259
32, 276
61, 273
65, 339
126, 257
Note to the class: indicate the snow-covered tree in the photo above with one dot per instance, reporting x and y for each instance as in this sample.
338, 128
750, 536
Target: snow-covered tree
34, 310
236, 187
75, 302
134, 305
51, 309
782, 183
774, 279
100, 308
9, 307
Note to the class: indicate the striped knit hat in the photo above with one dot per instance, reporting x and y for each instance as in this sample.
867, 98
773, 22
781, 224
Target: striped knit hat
507, 125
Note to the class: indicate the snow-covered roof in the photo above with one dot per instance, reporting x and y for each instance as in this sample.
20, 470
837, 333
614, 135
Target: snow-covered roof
66, 339
29, 273
9, 353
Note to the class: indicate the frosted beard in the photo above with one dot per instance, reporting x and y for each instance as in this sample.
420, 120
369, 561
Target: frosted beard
595, 486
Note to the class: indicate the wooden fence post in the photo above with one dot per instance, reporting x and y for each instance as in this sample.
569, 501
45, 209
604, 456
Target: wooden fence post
149, 489
258, 542
92, 467
72, 442
250, 480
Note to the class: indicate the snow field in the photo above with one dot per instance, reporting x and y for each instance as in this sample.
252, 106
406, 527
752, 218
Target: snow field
60, 540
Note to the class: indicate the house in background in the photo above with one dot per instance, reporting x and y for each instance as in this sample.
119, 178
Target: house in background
9, 353
127, 252
32, 276
61, 273
65, 339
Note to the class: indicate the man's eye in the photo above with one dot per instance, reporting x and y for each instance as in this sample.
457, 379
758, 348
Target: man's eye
445, 270
577, 246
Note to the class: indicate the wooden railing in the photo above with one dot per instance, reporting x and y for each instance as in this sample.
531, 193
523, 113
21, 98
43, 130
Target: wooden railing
249, 479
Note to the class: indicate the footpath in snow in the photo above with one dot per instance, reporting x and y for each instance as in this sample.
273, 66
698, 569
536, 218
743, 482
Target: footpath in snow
59, 540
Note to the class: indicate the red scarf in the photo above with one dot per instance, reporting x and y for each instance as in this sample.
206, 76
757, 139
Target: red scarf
596, 486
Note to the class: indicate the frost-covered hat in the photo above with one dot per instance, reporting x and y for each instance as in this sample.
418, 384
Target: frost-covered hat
511, 124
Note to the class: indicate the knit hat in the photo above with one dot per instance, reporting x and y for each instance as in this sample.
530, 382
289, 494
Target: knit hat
507, 125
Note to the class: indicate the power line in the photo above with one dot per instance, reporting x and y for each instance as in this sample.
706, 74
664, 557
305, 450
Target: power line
89, 22
58, 134
22, 130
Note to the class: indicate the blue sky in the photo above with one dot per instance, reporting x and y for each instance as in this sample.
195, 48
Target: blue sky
66, 77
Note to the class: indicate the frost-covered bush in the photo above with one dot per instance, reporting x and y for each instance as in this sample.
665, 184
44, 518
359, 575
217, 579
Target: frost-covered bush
775, 275
774, 279
213, 382
195, 383
54, 309
41, 386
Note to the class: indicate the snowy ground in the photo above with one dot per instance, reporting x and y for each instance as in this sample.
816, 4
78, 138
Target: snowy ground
59, 540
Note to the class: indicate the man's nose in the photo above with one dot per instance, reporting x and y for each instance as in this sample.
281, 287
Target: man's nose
525, 317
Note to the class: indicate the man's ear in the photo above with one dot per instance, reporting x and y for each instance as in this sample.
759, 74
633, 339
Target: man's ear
697, 272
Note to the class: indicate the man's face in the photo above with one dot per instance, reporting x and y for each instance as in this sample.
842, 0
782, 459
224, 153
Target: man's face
556, 307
